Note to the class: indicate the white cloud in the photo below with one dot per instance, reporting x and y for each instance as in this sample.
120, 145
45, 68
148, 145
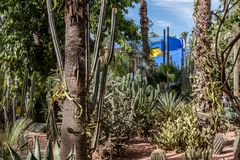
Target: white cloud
183, 8
161, 23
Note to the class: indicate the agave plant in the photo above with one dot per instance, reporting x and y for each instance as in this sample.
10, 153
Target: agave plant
50, 153
17, 130
169, 104
14, 136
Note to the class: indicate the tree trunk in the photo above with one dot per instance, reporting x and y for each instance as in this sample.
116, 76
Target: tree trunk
72, 131
236, 70
144, 21
201, 55
235, 52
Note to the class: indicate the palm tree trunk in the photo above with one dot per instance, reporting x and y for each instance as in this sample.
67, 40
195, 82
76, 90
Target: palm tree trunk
72, 131
236, 71
144, 21
201, 54
236, 67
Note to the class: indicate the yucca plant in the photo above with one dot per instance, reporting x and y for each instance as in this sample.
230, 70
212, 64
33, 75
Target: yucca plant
169, 104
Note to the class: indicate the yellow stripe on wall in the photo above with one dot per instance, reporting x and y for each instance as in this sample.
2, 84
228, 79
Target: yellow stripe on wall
154, 52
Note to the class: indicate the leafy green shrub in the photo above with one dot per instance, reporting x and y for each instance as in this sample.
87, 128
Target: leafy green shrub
182, 132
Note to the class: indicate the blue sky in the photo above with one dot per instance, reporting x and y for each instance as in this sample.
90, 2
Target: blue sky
177, 14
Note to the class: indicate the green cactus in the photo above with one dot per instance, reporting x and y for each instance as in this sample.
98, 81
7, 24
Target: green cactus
198, 154
96, 87
158, 154
30, 106
14, 100
218, 144
24, 92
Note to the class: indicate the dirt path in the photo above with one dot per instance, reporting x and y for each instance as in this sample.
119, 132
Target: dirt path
140, 149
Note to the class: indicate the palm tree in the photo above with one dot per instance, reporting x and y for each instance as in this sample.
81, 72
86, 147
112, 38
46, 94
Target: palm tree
74, 73
184, 37
201, 77
144, 22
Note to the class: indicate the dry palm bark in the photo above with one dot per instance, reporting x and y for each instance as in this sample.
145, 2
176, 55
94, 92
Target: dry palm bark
236, 70
237, 65
144, 21
202, 75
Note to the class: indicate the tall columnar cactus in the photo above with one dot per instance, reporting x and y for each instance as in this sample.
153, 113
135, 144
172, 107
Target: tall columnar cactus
24, 92
127, 102
145, 95
30, 105
144, 98
6, 106
14, 101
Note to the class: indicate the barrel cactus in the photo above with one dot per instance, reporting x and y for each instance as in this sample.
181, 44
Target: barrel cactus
198, 154
158, 154
218, 144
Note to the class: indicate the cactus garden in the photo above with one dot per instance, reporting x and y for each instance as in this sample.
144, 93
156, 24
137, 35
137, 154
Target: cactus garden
119, 80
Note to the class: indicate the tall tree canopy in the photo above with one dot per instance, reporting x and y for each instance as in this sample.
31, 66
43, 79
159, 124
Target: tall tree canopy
20, 39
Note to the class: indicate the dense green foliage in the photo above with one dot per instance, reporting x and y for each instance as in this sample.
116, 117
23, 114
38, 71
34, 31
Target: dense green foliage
126, 28
26, 44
